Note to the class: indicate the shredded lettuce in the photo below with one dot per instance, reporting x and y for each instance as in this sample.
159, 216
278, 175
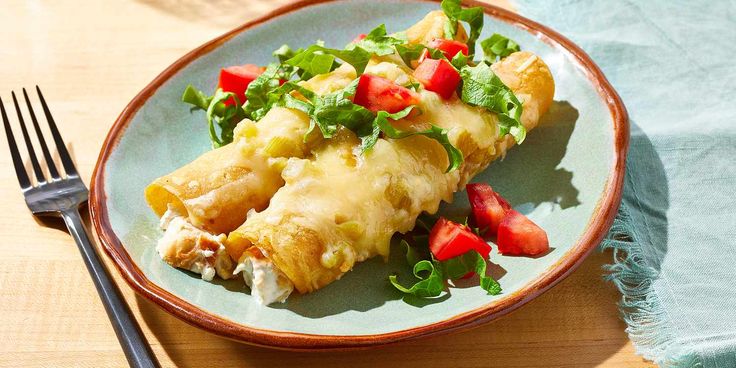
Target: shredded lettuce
226, 117
432, 273
431, 280
482, 87
412, 255
257, 103
411, 52
305, 60
471, 261
498, 47
378, 42
459, 61
333, 110
274, 87
473, 16
196, 98
282, 54
454, 155
414, 86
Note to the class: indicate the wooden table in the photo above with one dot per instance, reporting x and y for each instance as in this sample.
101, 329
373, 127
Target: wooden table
91, 59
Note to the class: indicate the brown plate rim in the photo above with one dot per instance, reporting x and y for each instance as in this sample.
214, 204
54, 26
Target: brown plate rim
595, 231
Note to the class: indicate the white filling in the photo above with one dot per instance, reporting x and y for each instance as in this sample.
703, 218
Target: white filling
168, 216
266, 282
183, 246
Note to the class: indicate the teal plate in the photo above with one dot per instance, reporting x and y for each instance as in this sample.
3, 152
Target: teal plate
567, 176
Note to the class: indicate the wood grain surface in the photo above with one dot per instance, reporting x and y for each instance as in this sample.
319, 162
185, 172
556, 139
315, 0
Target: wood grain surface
91, 58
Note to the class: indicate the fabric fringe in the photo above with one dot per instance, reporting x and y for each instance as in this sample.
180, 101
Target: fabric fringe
649, 326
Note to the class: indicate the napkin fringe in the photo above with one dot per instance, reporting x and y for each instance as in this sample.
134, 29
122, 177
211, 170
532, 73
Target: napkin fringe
649, 326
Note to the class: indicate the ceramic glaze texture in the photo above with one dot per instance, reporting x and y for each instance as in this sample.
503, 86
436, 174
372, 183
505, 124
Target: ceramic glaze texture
558, 177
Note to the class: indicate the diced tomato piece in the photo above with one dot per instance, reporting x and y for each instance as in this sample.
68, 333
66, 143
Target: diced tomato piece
487, 208
376, 93
359, 38
503, 202
236, 79
449, 47
518, 235
449, 239
423, 55
438, 76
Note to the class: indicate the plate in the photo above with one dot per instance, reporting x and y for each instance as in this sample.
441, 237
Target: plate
567, 176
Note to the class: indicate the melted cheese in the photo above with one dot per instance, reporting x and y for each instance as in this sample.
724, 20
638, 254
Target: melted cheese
342, 206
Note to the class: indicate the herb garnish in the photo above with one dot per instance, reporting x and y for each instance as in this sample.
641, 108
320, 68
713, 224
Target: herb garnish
459, 60
217, 113
330, 111
454, 155
257, 100
316, 59
482, 87
274, 87
378, 42
410, 52
498, 47
473, 16
428, 286
432, 273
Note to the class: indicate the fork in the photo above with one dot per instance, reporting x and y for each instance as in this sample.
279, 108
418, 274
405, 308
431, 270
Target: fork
61, 196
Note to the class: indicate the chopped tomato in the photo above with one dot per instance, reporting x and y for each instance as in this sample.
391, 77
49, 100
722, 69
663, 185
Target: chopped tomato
488, 210
359, 38
376, 93
423, 55
449, 47
236, 79
518, 235
438, 76
503, 202
449, 239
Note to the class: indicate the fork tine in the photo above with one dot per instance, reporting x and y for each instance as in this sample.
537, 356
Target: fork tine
49, 161
34, 161
20, 170
66, 160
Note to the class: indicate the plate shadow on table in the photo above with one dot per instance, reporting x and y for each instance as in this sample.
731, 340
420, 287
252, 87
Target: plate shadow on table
646, 196
560, 328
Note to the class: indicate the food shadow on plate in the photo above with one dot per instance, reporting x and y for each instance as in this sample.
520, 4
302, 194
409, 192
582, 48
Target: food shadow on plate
369, 279
550, 250
543, 180
235, 284
494, 270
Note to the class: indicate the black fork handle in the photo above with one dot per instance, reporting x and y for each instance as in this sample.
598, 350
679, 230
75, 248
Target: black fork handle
136, 348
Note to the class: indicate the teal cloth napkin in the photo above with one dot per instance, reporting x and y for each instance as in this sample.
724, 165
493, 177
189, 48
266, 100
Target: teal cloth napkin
674, 240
